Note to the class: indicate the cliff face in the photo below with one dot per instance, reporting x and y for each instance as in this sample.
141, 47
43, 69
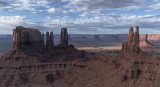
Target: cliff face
153, 39
64, 36
24, 38
49, 40
145, 43
31, 61
132, 45
30, 42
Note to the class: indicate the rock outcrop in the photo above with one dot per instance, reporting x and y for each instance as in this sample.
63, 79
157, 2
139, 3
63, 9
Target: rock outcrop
24, 38
152, 38
30, 59
64, 37
132, 45
49, 40
42, 41
30, 42
122, 70
144, 43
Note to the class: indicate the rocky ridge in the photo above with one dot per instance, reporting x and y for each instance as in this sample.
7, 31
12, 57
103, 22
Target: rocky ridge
132, 68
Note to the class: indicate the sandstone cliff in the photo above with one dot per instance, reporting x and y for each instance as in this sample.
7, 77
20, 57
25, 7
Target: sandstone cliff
145, 43
30, 42
24, 38
64, 37
152, 39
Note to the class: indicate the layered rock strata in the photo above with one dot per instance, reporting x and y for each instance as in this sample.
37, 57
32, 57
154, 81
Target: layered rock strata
145, 43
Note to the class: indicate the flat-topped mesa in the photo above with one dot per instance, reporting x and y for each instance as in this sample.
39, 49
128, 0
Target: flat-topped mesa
24, 38
64, 37
132, 45
49, 40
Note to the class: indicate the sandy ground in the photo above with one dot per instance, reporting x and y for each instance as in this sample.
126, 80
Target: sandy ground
100, 48
154, 52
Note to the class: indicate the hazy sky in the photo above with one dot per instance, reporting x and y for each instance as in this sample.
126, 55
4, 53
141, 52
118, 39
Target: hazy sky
81, 16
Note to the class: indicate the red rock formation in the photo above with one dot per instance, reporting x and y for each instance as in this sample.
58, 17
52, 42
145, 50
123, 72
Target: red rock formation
144, 43
30, 42
64, 37
25, 60
49, 40
42, 41
132, 45
140, 70
24, 38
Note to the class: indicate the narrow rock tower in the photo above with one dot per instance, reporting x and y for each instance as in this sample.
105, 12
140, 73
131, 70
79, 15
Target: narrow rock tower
64, 37
132, 45
146, 37
42, 39
49, 39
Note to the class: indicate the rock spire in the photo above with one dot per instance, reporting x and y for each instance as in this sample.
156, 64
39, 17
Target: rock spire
132, 45
64, 37
49, 40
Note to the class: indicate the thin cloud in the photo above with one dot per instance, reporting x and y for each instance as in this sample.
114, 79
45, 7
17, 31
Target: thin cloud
4, 6
105, 4
97, 24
